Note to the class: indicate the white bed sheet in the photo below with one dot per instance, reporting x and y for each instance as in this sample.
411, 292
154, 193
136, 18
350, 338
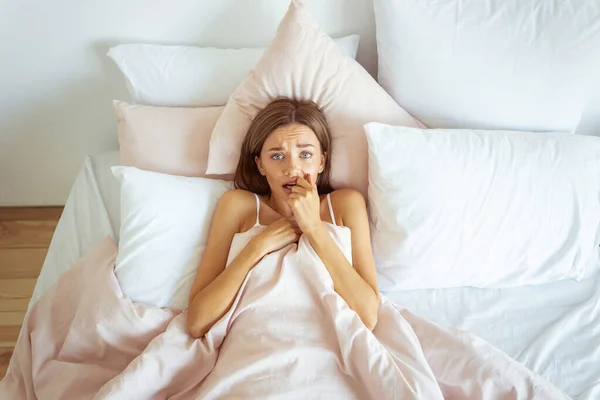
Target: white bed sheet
554, 329
91, 212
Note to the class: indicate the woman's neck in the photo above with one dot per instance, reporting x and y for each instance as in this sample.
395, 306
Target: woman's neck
280, 205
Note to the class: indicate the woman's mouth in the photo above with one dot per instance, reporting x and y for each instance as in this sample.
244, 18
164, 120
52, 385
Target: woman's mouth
289, 186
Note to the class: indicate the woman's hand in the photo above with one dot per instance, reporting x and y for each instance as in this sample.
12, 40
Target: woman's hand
305, 204
276, 236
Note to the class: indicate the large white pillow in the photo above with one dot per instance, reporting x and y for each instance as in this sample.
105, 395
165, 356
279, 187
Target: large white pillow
589, 123
163, 75
165, 222
495, 64
454, 208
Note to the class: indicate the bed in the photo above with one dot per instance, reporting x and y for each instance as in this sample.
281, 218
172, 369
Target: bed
554, 329
551, 328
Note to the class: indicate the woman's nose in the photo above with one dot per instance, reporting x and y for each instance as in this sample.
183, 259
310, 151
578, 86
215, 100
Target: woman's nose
291, 167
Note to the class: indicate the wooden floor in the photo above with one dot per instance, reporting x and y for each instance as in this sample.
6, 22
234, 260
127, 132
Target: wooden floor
25, 235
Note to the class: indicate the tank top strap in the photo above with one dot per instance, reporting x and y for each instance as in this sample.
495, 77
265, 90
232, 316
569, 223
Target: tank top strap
257, 223
330, 209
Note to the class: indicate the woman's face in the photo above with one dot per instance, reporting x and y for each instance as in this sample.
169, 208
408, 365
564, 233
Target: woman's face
289, 152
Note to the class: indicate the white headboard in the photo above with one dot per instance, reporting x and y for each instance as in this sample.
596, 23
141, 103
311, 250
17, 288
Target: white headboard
57, 84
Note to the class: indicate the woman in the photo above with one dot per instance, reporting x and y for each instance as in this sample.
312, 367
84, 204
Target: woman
283, 192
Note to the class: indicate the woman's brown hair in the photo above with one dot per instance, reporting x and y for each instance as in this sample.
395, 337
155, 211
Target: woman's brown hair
280, 112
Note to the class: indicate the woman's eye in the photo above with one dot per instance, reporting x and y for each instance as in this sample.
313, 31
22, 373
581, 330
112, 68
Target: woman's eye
305, 154
277, 156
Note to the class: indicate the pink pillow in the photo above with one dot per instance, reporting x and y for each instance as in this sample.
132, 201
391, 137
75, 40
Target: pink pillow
169, 140
304, 63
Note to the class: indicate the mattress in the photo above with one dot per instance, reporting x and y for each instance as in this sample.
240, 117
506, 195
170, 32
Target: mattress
554, 329
91, 212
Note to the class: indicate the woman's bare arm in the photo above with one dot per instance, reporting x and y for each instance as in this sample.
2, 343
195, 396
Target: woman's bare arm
216, 287
356, 284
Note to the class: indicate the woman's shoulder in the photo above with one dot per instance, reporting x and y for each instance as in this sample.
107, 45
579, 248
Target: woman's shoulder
238, 207
347, 197
345, 204
237, 199
238, 195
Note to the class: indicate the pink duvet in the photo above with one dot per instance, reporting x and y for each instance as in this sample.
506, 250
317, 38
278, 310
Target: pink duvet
287, 336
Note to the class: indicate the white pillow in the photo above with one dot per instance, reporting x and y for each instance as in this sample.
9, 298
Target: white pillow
589, 123
454, 208
165, 222
191, 76
509, 64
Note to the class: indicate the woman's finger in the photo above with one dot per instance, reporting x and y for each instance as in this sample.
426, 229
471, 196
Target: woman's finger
311, 180
303, 182
299, 190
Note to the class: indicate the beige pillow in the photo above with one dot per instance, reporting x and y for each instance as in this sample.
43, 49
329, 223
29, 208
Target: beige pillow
169, 140
304, 63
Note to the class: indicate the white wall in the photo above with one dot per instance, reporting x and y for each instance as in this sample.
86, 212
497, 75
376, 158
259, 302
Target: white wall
57, 84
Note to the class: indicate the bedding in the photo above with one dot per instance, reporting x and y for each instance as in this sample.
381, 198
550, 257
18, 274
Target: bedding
482, 208
490, 64
91, 212
163, 75
553, 329
74, 346
165, 222
303, 62
589, 123
171, 140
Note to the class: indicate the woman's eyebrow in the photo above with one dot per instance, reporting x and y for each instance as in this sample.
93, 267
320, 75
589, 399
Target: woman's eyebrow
300, 145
